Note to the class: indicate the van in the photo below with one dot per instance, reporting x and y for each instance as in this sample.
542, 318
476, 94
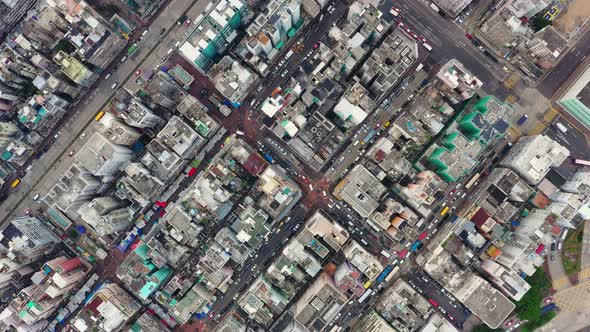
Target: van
144, 32
561, 127
107, 76
239, 132
123, 59
114, 85
36, 197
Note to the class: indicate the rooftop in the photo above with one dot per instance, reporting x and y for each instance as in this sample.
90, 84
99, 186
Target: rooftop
361, 189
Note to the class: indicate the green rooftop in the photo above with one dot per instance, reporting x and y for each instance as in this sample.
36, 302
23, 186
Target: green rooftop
577, 109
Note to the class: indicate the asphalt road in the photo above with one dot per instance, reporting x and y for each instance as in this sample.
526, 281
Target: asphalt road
255, 264
454, 311
447, 40
566, 67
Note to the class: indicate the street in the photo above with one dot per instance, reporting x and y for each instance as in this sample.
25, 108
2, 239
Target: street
448, 42
566, 67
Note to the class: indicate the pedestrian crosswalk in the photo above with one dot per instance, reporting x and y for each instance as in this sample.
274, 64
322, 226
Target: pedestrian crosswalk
511, 81
511, 99
538, 129
561, 283
585, 273
550, 115
514, 133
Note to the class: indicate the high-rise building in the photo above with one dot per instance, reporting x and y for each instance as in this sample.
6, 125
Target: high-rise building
117, 131
109, 308
75, 70
294, 8
105, 215
73, 188
578, 184
141, 116
532, 156
27, 239
30, 309
8, 131
102, 157
527, 8
452, 7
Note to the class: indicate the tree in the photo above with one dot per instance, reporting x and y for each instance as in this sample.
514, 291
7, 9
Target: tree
484, 328
540, 23
529, 307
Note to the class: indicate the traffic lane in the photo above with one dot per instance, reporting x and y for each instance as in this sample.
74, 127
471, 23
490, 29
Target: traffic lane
572, 138
449, 35
399, 95
566, 66
356, 145
359, 230
254, 265
431, 290
310, 38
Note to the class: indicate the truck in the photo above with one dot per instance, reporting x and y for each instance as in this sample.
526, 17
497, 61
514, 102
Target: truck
582, 162
522, 120
288, 55
428, 47
268, 158
548, 308
434, 7
369, 136
365, 295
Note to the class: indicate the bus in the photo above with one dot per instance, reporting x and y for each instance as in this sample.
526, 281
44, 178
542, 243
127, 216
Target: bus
384, 273
582, 162
564, 234
393, 272
365, 295
15, 183
99, 116
444, 211
420, 222
472, 181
